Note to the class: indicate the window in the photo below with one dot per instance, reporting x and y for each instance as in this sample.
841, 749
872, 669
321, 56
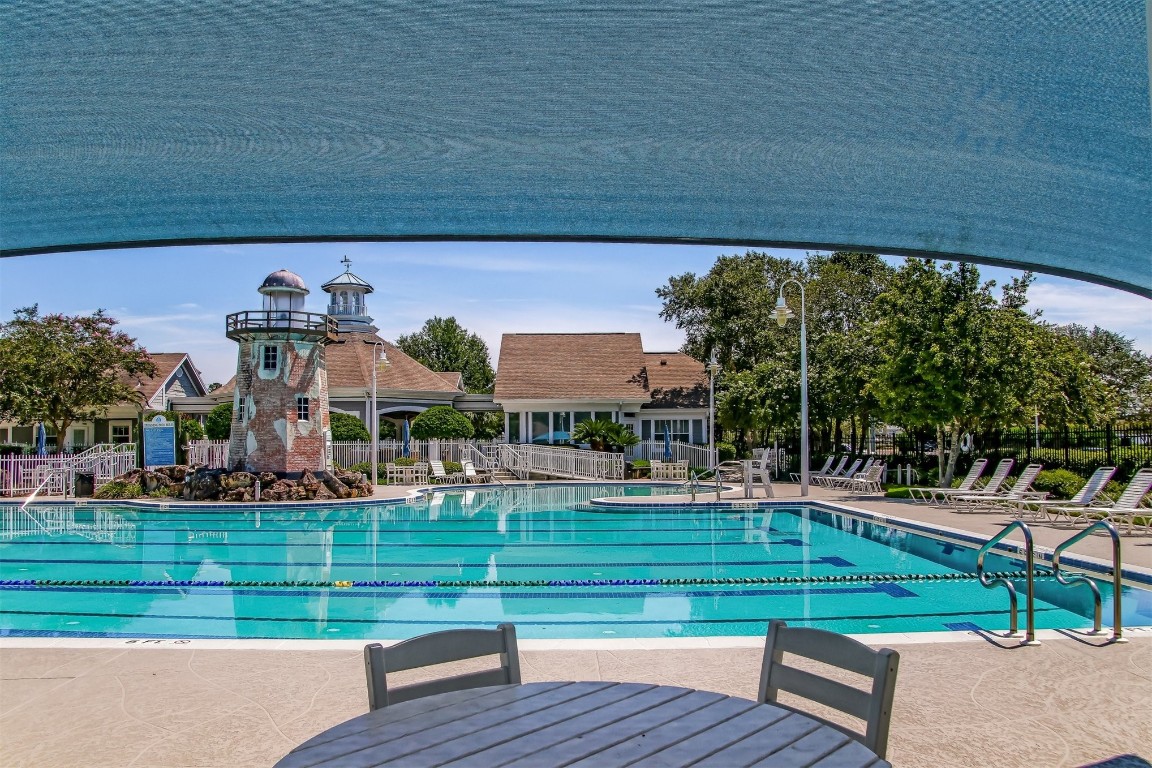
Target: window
271, 358
513, 427
678, 428
540, 427
301, 408
121, 433
3, 434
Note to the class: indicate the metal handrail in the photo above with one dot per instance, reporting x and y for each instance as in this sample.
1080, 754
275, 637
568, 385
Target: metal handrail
1074, 579
1030, 598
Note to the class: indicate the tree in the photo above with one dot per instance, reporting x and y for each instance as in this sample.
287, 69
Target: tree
951, 356
348, 428
59, 369
441, 421
443, 345
218, 425
1125, 373
486, 425
190, 430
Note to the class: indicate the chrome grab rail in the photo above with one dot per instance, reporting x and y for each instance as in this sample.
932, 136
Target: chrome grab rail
1074, 579
1030, 598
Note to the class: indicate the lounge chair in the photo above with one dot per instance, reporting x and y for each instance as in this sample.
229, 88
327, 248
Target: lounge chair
1126, 508
873, 705
473, 475
845, 480
994, 485
828, 480
822, 471
1085, 497
969, 483
440, 648
870, 481
440, 475
1019, 490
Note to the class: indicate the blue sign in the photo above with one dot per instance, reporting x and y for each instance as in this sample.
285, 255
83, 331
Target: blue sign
159, 442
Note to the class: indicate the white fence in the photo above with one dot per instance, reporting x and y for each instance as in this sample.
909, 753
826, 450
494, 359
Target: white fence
20, 475
525, 458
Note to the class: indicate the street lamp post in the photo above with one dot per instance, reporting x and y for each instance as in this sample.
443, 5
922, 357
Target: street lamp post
713, 367
782, 315
374, 421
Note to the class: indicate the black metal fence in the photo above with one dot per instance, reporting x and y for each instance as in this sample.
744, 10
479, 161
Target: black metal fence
1079, 449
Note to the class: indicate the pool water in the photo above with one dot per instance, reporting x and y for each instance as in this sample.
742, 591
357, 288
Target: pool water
462, 558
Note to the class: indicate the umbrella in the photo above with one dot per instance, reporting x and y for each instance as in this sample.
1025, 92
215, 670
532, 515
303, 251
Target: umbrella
407, 440
667, 444
41, 441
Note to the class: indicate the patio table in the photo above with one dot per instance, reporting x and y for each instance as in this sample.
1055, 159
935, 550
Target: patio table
600, 724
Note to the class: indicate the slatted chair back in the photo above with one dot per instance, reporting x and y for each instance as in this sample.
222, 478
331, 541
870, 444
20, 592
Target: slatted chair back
441, 648
999, 475
969, 481
1024, 482
1138, 487
827, 464
839, 468
874, 707
1093, 486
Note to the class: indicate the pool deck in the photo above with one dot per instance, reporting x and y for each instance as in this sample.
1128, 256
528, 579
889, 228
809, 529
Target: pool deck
962, 698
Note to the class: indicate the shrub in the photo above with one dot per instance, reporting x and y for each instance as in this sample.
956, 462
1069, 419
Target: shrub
387, 430
163, 492
190, 430
118, 489
365, 469
441, 421
453, 466
348, 428
725, 452
406, 461
1059, 483
9, 449
641, 464
218, 425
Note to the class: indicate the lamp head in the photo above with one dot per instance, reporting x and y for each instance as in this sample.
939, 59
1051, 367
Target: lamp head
783, 314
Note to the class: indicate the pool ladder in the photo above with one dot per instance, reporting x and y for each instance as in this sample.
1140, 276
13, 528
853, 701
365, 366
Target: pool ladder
1068, 581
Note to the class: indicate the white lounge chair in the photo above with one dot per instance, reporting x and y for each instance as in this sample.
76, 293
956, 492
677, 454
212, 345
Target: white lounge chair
828, 480
970, 482
845, 480
1085, 497
1021, 489
1126, 508
823, 470
473, 475
994, 485
870, 481
440, 475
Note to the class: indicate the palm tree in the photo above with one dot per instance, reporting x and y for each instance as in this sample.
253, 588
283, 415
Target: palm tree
594, 432
620, 437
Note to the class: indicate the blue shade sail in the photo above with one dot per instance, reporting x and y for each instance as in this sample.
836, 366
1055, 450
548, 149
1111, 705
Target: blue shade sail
1012, 132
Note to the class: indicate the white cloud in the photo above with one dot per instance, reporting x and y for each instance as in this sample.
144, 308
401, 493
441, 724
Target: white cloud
1067, 301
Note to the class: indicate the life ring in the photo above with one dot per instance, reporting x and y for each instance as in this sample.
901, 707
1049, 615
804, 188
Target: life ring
966, 442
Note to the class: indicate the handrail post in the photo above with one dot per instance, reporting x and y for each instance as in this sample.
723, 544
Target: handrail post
1030, 596
1117, 586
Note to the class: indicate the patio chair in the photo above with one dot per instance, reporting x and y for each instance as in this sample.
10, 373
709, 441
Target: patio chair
795, 476
1125, 509
827, 480
1084, 497
438, 474
440, 648
994, 485
845, 480
870, 481
969, 483
874, 706
473, 475
1019, 490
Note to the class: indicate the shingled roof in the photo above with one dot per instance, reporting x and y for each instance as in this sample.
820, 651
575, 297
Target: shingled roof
166, 364
349, 362
582, 366
676, 380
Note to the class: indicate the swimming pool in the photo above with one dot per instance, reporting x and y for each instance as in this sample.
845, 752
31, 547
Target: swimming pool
537, 556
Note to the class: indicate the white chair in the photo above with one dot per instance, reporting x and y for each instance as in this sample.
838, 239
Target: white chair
1019, 490
1125, 509
994, 485
440, 648
828, 480
873, 706
969, 483
439, 474
762, 470
795, 476
845, 480
1083, 498
473, 475
869, 481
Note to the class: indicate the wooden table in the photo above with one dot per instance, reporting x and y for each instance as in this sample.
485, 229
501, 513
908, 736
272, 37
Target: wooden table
599, 724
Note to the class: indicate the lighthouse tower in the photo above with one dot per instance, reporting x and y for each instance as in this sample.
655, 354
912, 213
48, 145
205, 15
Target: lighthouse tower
280, 408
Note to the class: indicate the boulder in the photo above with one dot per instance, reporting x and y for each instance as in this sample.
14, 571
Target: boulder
323, 494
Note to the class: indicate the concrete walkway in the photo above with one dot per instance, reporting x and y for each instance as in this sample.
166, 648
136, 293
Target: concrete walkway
964, 700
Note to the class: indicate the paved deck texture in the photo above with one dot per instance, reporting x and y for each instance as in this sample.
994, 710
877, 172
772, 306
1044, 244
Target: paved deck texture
978, 701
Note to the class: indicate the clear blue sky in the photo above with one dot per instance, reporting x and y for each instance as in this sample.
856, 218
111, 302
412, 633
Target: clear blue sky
175, 299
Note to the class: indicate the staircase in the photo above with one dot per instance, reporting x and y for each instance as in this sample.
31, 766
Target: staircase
503, 475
